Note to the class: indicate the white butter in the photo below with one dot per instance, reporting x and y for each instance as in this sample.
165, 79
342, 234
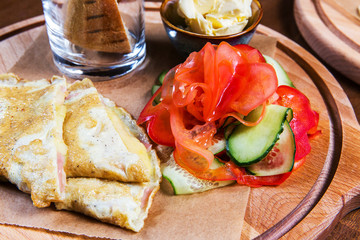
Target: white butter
215, 17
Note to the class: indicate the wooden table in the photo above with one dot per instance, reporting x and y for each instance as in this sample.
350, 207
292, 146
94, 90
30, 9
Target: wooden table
278, 15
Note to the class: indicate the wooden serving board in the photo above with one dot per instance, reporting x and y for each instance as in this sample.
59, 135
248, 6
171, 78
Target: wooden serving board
332, 29
311, 201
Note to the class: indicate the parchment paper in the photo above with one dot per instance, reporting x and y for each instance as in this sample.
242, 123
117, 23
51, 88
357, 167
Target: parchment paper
216, 214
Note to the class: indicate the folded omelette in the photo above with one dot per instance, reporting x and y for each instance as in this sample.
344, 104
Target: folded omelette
80, 151
99, 144
119, 203
31, 145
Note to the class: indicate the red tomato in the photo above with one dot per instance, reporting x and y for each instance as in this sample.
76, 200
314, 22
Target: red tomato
252, 55
263, 81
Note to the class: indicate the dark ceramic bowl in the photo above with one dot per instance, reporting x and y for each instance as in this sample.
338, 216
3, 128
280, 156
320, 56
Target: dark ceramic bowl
187, 42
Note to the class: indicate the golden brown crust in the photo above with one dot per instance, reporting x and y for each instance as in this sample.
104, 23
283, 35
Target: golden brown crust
97, 25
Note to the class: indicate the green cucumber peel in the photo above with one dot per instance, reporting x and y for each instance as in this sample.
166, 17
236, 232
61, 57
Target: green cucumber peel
283, 78
184, 182
161, 77
249, 145
281, 157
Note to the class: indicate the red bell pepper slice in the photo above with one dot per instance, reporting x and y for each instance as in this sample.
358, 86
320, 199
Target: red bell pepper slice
157, 120
305, 120
258, 181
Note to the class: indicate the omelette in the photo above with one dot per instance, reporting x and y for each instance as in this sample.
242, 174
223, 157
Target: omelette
32, 149
118, 203
124, 205
68, 145
100, 145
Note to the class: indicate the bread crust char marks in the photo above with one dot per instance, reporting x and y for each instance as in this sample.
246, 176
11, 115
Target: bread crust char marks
97, 25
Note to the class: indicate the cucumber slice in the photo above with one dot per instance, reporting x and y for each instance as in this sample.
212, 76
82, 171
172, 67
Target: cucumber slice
283, 78
230, 128
161, 77
153, 91
280, 159
248, 145
219, 145
185, 183
157, 85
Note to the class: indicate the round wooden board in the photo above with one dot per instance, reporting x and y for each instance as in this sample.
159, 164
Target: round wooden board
332, 29
311, 201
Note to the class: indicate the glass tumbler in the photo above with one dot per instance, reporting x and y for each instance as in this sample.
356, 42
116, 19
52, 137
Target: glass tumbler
99, 39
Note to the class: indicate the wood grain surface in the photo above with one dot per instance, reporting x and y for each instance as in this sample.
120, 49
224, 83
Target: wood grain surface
332, 32
342, 194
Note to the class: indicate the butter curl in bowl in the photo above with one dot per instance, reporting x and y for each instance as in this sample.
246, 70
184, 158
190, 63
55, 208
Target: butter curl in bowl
190, 24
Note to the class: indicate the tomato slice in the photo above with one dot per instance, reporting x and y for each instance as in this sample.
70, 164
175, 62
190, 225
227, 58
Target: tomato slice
191, 144
228, 85
192, 69
261, 82
251, 55
244, 81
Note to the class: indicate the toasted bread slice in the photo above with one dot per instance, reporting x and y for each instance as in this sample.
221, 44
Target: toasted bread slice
97, 25
122, 204
99, 142
32, 149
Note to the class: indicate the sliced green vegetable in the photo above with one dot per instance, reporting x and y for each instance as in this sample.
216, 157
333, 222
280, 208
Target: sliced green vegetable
230, 128
248, 145
157, 85
185, 183
283, 78
280, 159
218, 146
153, 91
161, 77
